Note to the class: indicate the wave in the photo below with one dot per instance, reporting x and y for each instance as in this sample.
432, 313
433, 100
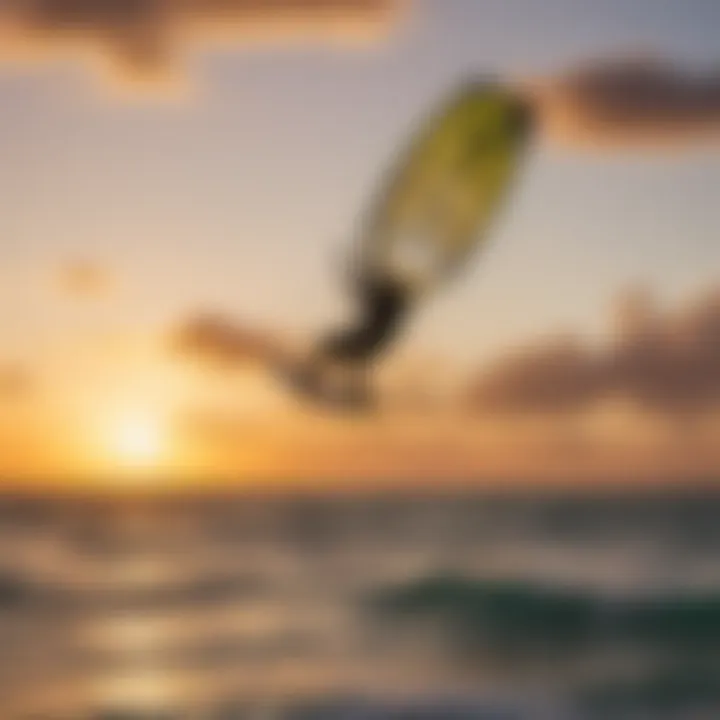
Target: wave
529, 615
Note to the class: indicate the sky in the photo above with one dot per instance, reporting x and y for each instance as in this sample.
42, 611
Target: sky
242, 193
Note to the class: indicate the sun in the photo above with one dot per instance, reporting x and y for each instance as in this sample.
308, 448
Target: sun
138, 439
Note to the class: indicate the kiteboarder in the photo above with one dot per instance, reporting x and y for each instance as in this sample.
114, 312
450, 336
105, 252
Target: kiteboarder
435, 211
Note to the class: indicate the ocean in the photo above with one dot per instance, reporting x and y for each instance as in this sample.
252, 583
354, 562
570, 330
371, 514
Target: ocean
525, 605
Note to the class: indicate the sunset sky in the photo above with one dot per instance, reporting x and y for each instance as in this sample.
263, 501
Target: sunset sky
127, 210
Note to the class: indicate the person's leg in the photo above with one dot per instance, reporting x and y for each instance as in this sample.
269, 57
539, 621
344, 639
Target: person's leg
384, 305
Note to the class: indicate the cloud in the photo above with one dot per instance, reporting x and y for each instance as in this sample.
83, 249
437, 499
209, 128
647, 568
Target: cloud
559, 375
144, 37
665, 363
668, 362
630, 103
219, 343
84, 279
15, 383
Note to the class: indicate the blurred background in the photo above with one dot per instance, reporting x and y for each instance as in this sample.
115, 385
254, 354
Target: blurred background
528, 529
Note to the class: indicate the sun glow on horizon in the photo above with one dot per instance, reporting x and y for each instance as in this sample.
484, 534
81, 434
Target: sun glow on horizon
138, 439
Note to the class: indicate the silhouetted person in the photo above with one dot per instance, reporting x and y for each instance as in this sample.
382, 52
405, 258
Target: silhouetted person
383, 304
339, 368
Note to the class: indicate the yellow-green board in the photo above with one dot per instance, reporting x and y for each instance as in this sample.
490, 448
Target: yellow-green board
442, 198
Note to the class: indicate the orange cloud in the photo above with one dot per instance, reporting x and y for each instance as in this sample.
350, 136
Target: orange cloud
630, 103
219, 343
483, 450
15, 383
144, 37
84, 279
